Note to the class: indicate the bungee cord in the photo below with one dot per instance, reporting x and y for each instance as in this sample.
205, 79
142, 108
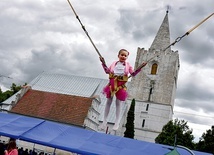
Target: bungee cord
178, 39
84, 29
188, 32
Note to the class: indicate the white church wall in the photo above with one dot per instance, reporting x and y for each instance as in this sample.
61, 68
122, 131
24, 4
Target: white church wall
150, 118
92, 119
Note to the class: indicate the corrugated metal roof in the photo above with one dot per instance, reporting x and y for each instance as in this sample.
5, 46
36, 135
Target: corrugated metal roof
12, 98
65, 84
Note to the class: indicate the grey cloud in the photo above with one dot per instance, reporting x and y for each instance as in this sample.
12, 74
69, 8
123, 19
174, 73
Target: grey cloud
197, 119
78, 60
192, 91
197, 50
139, 26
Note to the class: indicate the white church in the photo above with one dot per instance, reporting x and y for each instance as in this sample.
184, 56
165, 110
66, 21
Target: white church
154, 89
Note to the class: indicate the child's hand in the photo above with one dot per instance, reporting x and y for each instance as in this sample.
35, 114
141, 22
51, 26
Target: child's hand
102, 60
138, 70
144, 64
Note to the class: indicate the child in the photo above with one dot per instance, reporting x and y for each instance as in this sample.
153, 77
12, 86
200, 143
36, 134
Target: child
118, 76
11, 148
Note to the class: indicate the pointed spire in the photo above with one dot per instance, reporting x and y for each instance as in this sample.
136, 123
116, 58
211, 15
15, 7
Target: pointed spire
162, 39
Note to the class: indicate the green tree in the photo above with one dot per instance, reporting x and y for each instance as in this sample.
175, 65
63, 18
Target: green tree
1, 95
13, 89
178, 129
206, 142
5, 95
129, 133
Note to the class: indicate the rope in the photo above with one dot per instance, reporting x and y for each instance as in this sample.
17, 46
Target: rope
188, 32
83, 27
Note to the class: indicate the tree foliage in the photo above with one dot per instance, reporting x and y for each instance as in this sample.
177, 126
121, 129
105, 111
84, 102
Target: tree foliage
206, 142
130, 121
13, 89
176, 129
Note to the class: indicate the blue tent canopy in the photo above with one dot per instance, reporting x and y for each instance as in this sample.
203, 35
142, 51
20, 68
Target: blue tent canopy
15, 125
74, 139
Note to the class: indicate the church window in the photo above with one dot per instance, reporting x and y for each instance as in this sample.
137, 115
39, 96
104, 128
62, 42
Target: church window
143, 123
147, 107
154, 69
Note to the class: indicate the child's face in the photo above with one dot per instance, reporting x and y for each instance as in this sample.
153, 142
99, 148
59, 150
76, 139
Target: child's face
123, 55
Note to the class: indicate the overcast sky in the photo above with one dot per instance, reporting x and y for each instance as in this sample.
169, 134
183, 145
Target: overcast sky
44, 35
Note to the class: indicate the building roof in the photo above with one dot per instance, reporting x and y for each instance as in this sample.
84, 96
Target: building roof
162, 38
52, 106
72, 85
66, 84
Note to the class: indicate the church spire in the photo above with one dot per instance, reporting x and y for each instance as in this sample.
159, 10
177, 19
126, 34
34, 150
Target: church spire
162, 39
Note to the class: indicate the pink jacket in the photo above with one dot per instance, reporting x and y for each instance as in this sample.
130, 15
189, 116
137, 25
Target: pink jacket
128, 69
13, 152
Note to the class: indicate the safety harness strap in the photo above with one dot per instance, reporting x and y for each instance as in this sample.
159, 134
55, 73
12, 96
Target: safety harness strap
114, 89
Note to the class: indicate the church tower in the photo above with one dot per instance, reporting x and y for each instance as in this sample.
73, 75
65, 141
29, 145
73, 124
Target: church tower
154, 87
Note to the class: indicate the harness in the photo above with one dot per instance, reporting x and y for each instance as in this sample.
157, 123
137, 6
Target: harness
115, 88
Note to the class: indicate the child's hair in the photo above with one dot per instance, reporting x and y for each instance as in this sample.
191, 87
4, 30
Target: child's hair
11, 145
122, 50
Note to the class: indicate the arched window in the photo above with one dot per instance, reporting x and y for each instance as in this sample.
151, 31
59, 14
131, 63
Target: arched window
154, 69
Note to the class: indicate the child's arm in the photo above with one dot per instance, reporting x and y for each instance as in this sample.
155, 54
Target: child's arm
106, 69
138, 70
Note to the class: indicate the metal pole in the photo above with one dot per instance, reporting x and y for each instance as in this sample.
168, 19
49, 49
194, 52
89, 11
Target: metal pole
186, 149
199, 24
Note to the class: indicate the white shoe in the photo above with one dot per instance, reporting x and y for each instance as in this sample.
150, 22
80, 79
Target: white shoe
115, 127
102, 126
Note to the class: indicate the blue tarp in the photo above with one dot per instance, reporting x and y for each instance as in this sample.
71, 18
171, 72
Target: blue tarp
74, 139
